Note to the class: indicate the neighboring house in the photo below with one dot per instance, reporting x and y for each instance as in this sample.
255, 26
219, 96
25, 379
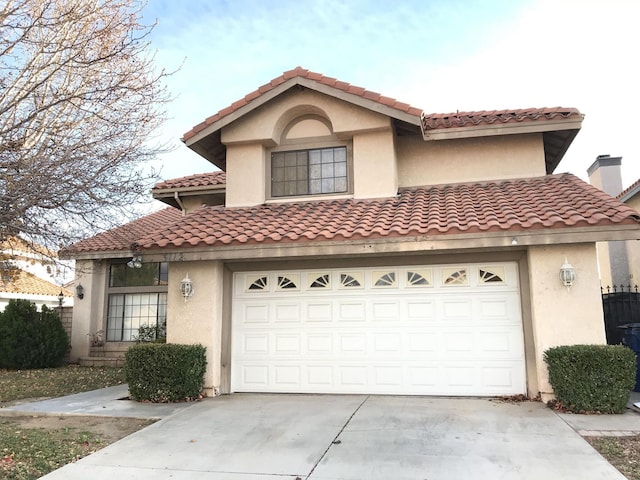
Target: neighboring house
619, 260
353, 244
31, 273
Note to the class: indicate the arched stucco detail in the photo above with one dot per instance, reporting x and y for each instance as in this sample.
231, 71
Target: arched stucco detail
300, 112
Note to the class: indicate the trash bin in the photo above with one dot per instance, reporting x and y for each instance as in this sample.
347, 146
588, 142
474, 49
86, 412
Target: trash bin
631, 339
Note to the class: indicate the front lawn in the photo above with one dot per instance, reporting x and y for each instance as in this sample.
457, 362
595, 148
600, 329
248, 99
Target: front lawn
32, 446
55, 382
29, 453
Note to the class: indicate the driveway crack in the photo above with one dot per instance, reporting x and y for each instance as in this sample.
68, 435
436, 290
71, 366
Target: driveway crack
335, 440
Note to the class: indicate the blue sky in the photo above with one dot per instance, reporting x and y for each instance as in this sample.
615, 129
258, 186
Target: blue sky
440, 56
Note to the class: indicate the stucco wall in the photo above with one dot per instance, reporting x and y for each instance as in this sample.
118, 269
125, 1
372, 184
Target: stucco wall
471, 159
199, 319
633, 248
561, 317
88, 313
246, 177
374, 165
250, 139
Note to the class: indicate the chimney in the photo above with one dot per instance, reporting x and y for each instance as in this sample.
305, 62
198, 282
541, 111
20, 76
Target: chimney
613, 259
605, 173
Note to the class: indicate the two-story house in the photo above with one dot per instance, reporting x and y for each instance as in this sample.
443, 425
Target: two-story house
351, 243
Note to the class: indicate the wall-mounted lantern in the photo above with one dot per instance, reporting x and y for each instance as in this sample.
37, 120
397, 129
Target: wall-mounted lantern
79, 291
567, 274
186, 287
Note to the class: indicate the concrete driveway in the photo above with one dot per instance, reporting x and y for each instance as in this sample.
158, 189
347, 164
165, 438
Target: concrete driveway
322, 437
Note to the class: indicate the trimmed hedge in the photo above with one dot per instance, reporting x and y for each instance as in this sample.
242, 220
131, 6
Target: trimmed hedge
164, 373
592, 378
31, 339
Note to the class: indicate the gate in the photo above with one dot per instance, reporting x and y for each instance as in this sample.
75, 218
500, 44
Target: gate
621, 305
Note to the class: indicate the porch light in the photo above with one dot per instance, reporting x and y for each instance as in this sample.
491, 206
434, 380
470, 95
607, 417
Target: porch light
79, 291
567, 274
186, 287
60, 298
135, 262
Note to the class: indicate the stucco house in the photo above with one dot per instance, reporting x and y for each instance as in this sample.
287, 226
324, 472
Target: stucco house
351, 243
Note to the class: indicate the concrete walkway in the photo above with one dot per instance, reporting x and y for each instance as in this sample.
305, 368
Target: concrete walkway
327, 437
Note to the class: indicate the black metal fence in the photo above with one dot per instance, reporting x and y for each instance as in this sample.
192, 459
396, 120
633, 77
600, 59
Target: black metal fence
621, 305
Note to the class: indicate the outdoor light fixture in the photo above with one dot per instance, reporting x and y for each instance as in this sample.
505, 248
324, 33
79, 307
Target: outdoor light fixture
79, 291
514, 241
567, 274
186, 287
135, 262
60, 298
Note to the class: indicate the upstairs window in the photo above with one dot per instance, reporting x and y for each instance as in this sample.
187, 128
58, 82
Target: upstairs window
309, 172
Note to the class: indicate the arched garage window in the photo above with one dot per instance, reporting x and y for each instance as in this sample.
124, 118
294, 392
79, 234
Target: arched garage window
136, 297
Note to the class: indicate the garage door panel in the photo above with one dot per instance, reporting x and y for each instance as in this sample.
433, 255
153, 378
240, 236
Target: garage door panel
352, 344
351, 311
255, 313
257, 344
386, 311
287, 376
287, 313
287, 344
319, 312
320, 344
389, 334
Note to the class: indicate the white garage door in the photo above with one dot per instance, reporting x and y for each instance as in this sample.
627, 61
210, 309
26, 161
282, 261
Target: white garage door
423, 330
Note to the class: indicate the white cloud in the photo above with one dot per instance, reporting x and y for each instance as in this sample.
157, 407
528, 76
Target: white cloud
440, 56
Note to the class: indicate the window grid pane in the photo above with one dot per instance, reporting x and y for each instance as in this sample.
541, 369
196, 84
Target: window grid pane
129, 311
309, 172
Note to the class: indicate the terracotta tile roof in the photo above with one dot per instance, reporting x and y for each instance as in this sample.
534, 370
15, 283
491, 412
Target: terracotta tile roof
303, 73
29, 284
123, 237
549, 202
634, 186
434, 121
198, 180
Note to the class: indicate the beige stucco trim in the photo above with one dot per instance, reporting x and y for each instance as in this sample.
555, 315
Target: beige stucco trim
200, 318
561, 316
88, 315
502, 129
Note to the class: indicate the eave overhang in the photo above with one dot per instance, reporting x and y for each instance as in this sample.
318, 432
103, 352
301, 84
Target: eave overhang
420, 244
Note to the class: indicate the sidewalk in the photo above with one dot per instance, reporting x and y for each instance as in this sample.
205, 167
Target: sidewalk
624, 425
106, 402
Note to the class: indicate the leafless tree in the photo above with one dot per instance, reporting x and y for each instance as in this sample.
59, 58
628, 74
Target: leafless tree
80, 101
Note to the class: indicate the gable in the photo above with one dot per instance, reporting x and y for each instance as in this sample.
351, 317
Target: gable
271, 123
205, 138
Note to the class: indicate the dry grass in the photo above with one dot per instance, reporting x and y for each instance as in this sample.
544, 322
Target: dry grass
33, 446
55, 382
621, 452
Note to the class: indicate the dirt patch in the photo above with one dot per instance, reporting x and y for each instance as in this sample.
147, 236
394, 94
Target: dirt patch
109, 429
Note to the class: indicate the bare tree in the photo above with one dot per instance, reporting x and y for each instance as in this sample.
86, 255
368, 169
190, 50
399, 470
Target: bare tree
80, 98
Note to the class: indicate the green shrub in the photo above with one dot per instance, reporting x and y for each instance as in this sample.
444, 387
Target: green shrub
31, 339
168, 372
592, 378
